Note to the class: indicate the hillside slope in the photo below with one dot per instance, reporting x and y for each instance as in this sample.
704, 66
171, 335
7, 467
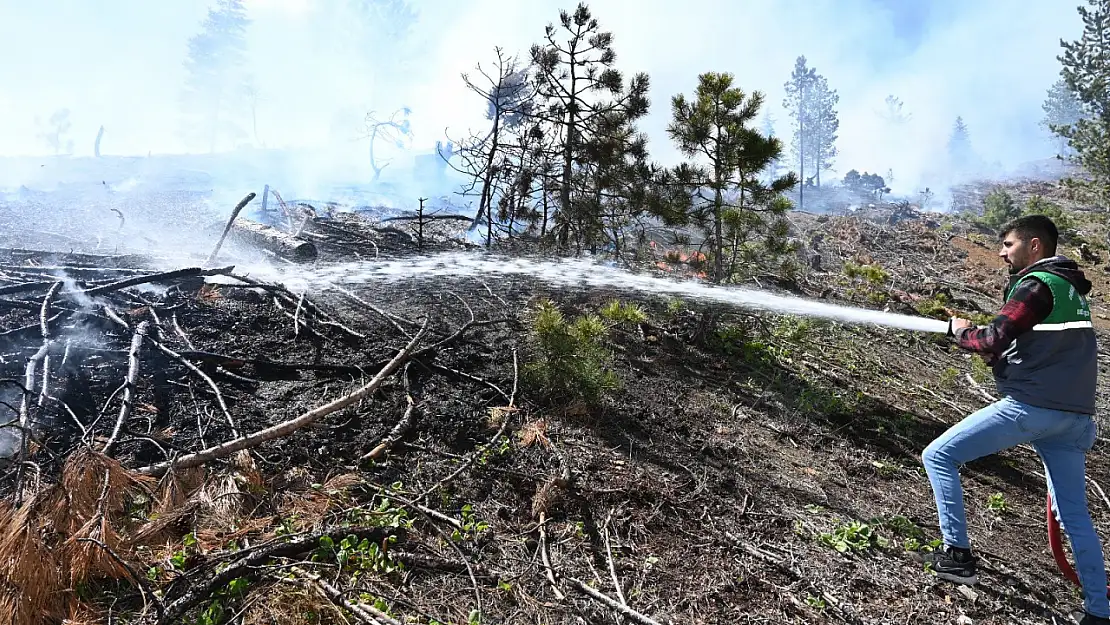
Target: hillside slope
743, 469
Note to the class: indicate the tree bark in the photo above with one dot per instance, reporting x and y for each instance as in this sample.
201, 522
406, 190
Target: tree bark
274, 240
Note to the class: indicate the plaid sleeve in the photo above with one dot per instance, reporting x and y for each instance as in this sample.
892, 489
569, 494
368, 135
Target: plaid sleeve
1030, 304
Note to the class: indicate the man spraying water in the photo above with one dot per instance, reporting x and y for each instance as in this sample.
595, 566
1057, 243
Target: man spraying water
1043, 351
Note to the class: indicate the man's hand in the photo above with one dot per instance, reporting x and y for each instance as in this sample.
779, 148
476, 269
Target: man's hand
959, 324
955, 324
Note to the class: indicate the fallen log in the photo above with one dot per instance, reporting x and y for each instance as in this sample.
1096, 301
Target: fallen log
268, 368
73, 271
273, 240
363, 611
429, 218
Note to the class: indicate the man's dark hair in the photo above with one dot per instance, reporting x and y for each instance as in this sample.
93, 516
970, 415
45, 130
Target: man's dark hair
1034, 226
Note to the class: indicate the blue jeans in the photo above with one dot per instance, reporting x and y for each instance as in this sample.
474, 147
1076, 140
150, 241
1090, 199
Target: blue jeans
1062, 440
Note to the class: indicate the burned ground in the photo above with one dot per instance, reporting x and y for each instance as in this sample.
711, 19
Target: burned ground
747, 469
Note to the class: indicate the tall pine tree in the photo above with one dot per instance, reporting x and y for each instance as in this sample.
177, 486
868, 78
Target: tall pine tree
960, 154
615, 176
768, 130
218, 86
1062, 110
719, 190
1086, 73
826, 127
812, 106
379, 35
581, 91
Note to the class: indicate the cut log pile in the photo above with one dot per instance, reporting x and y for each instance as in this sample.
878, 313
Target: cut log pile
183, 228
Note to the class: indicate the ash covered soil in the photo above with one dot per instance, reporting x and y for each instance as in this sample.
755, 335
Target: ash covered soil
747, 469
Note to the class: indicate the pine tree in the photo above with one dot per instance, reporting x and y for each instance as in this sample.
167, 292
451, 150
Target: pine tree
960, 154
389, 21
894, 113
522, 176
616, 175
799, 94
374, 42
719, 190
379, 32
55, 130
396, 130
826, 127
812, 106
579, 86
218, 86
768, 130
1062, 110
1086, 73
768, 127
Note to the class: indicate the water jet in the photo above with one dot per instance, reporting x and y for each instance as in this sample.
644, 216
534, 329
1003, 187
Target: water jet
583, 273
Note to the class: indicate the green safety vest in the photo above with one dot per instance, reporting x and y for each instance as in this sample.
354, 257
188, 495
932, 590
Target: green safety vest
1070, 310
1056, 365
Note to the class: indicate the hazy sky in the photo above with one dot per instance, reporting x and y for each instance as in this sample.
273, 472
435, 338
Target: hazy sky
119, 63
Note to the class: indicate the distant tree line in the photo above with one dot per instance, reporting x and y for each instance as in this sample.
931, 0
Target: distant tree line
562, 158
220, 98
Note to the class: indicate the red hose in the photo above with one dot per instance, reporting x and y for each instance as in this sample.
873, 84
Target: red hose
1056, 544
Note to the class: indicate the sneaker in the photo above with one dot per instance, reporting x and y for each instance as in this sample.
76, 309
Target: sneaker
1091, 619
954, 565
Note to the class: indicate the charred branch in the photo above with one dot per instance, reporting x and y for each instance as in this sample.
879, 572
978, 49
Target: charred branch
128, 385
287, 427
231, 220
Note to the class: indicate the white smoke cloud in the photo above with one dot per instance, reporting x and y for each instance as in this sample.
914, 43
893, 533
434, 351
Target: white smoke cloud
119, 63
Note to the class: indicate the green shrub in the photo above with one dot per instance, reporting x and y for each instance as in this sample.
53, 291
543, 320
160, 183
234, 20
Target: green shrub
901, 526
827, 402
935, 306
793, 329
999, 209
873, 274
569, 360
867, 281
675, 307
948, 376
620, 313
853, 536
981, 372
1037, 205
981, 319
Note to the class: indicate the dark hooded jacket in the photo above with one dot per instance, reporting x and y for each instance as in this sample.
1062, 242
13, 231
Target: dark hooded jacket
1054, 365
